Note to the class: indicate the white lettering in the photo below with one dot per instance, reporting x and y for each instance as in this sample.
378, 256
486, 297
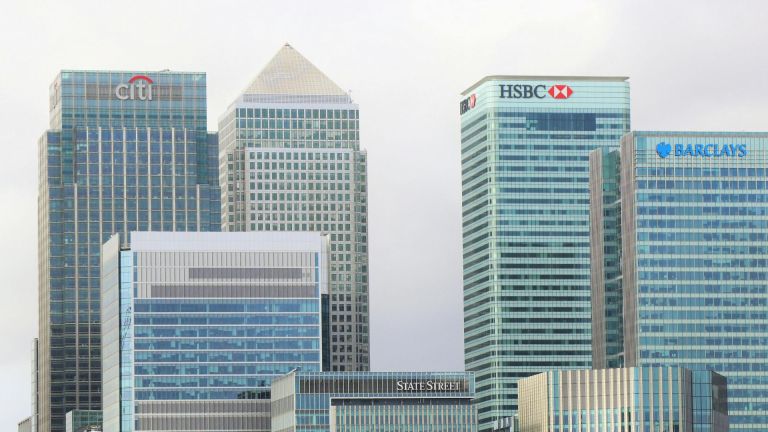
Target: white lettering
121, 94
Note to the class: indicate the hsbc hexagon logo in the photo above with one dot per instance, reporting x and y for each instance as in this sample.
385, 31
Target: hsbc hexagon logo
560, 91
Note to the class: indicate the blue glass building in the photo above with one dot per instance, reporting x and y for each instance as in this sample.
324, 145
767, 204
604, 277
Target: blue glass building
374, 402
125, 151
525, 144
624, 399
693, 255
196, 326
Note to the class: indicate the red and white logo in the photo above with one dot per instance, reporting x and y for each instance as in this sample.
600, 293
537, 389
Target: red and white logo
138, 87
560, 91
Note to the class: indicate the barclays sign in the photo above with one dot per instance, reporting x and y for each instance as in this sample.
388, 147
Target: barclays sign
664, 150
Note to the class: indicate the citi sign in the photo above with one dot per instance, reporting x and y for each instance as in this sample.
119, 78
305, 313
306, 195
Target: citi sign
664, 150
139, 87
527, 91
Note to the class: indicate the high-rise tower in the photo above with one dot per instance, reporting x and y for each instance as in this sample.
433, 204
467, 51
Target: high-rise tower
694, 260
125, 151
290, 160
525, 144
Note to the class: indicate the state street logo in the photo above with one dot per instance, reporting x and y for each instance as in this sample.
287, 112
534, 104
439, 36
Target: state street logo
560, 91
663, 149
138, 87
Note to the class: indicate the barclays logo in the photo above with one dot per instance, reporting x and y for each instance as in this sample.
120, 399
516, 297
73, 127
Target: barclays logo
664, 150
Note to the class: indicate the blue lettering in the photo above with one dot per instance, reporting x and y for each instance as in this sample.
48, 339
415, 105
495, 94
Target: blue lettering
742, 150
688, 150
699, 150
678, 149
727, 151
708, 150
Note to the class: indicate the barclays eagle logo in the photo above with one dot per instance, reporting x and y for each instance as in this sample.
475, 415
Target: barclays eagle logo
663, 149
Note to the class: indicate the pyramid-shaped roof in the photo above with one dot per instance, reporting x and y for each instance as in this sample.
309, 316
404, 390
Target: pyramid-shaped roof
290, 73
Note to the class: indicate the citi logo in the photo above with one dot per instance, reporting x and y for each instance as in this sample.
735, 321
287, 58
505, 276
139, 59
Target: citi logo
664, 150
560, 91
528, 91
138, 87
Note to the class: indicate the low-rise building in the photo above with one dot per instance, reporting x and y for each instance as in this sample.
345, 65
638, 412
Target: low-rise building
374, 401
624, 399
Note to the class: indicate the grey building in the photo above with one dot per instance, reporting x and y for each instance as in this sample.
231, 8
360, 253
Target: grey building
25, 425
624, 399
197, 325
374, 402
290, 160
125, 151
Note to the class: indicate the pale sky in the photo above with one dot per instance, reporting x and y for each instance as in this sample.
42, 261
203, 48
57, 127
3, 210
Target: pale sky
693, 65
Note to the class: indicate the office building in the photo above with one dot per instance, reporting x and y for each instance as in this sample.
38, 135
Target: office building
693, 255
374, 401
625, 399
525, 144
25, 425
196, 326
124, 151
290, 160
83, 421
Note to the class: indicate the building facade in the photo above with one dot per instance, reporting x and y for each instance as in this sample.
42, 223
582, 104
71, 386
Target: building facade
525, 144
196, 326
84, 421
124, 151
290, 160
374, 402
652, 399
25, 425
693, 257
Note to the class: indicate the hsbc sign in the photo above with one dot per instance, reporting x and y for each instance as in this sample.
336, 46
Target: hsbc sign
467, 104
529, 91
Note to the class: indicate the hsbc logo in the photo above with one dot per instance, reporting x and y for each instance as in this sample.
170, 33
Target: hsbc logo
527, 91
560, 91
139, 87
467, 104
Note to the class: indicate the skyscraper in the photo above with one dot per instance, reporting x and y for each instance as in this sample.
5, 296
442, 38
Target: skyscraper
290, 160
694, 261
125, 151
197, 325
525, 144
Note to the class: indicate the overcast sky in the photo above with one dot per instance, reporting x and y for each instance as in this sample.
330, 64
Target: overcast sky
698, 65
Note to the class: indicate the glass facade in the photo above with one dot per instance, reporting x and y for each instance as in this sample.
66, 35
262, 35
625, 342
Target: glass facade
206, 321
693, 259
125, 151
291, 161
525, 144
627, 399
83, 421
373, 401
